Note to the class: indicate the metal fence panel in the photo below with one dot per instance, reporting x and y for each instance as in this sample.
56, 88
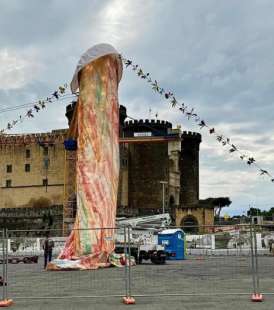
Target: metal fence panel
217, 262
2, 269
264, 236
28, 279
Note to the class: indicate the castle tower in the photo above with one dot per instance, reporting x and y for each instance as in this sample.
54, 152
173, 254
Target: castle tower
189, 167
190, 215
70, 110
155, 152
148, 164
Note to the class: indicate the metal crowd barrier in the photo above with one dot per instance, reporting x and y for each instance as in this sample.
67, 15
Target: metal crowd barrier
263, 236
218, 260
219, 267
27, 279
4, 261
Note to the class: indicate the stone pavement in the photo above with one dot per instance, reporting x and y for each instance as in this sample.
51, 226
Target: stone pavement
159, 303
196, 275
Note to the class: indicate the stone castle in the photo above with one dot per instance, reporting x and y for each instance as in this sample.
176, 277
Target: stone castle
159, 169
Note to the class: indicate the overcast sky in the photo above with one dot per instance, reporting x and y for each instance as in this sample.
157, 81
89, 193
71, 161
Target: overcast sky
216, 56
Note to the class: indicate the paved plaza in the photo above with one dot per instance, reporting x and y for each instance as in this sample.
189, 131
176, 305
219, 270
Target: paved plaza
159, 303
202, 280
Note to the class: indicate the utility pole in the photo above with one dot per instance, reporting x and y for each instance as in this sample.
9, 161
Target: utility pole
164, 183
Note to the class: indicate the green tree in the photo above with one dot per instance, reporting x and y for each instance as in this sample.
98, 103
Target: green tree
254, 212
217, 203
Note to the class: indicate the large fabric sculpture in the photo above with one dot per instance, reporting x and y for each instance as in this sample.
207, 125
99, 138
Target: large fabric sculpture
96, 124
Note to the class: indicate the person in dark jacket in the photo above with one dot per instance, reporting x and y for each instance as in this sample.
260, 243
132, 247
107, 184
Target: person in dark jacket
270, 245
48, 246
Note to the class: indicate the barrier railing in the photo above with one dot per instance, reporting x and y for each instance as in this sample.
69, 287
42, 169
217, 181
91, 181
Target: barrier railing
216, 262
264, 257
204, 260
3, 269
28, 279
5, 301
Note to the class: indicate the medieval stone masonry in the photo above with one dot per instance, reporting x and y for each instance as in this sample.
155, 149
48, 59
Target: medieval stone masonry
32, 173
37, 172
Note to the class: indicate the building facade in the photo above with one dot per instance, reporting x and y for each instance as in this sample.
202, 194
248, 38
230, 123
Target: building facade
31, 172
157, 156
159, 171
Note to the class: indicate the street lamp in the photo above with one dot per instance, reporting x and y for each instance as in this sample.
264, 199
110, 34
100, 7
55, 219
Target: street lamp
163, 187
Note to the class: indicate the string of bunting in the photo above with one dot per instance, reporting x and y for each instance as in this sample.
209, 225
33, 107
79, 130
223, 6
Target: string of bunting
190, 114
37, 106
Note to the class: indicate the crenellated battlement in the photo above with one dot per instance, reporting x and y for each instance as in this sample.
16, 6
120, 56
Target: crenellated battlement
191, 135
54, 137
156, 127
152, 122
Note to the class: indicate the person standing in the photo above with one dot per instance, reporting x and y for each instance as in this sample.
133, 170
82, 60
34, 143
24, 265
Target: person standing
48, 246
270, 245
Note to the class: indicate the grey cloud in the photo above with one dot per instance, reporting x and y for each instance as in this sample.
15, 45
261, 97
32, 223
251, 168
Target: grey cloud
215, 56
41, 22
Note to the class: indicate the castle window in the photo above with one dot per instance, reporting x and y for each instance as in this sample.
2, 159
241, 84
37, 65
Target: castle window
45, 151
45, 182
8, 183
27, 153
27, 167
9, 168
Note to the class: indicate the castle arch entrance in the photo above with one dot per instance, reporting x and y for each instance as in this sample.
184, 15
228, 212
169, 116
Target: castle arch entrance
190, 224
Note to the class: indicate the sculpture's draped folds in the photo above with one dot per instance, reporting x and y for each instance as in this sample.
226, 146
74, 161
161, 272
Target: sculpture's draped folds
97, 166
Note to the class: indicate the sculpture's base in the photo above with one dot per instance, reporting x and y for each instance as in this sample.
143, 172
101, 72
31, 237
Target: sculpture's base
6, 303
90, 262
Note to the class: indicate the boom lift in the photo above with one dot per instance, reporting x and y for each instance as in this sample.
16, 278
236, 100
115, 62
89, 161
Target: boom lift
143, 237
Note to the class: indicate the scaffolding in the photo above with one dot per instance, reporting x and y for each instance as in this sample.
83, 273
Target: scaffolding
69, 204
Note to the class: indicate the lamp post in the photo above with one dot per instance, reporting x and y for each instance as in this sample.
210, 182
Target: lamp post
163, 187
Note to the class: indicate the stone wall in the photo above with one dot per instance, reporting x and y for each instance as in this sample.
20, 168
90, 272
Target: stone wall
147, 165
142, 167
203, 216
37, 218
189, 168
32, 170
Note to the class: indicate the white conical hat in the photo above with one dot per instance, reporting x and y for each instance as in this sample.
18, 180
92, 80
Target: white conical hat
95, 52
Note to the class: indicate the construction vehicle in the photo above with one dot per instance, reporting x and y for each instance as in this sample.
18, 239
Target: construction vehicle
141, 234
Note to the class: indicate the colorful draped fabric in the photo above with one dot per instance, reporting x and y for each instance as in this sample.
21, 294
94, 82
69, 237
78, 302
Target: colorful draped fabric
97, 168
